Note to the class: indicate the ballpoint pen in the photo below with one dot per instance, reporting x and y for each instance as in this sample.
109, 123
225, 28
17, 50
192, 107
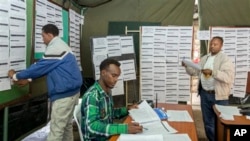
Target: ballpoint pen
140, 125
144, 128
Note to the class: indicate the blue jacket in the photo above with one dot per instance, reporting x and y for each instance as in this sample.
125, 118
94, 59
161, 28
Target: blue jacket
64, 78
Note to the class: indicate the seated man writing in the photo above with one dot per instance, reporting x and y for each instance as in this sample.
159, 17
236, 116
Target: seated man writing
97, 107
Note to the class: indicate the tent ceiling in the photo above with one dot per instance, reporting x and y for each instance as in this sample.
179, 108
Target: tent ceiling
91, 3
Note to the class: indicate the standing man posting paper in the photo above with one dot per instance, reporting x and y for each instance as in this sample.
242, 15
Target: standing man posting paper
64, 81
97, 107
216, 78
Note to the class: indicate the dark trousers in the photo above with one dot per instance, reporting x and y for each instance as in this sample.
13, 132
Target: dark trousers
207, 101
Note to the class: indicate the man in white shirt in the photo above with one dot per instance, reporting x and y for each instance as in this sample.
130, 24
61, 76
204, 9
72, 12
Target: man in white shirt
216, 78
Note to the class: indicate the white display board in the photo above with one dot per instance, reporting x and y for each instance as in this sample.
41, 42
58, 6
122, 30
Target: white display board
161, 52
74, 34
120, 48
236, 46
13, 46
46, 12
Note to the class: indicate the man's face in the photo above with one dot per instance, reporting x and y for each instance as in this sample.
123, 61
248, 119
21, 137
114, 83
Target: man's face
215, 46
110, 75
47, 37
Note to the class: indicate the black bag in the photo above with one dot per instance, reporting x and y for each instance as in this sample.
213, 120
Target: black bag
199, 87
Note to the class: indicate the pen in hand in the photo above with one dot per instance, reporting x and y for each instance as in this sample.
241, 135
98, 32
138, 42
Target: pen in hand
144, 128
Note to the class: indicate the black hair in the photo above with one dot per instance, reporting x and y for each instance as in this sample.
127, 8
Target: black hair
219, 38
51, 28
105, 63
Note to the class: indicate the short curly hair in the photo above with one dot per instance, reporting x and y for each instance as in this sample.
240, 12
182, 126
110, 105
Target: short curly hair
51, 28
219, 38
105, 63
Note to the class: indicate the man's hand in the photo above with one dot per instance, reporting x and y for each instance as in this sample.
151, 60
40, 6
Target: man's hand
183, 64
207, 72
134, 128
134, 106
11, 73
21, 82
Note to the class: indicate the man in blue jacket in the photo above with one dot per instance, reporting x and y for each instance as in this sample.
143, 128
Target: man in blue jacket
64, 80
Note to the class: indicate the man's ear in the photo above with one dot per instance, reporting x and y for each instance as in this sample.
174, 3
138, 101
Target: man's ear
51, 35
103, 72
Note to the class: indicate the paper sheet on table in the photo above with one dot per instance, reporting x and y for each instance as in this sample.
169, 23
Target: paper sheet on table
169, 128
230, 110
157, 127
248, 117
227, 116
177, 137
227, 112
135, 137
189, 63
156, 137
179, 115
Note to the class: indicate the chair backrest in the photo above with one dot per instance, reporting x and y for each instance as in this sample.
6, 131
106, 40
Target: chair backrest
77, 117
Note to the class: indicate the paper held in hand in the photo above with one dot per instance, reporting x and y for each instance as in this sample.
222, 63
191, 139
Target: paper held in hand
190, 63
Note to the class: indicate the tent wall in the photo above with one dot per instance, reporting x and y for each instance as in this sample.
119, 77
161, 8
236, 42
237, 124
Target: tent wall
166, 12
222, 13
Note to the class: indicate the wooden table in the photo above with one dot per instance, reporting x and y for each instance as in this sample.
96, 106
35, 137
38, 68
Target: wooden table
182, 127
222, 130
